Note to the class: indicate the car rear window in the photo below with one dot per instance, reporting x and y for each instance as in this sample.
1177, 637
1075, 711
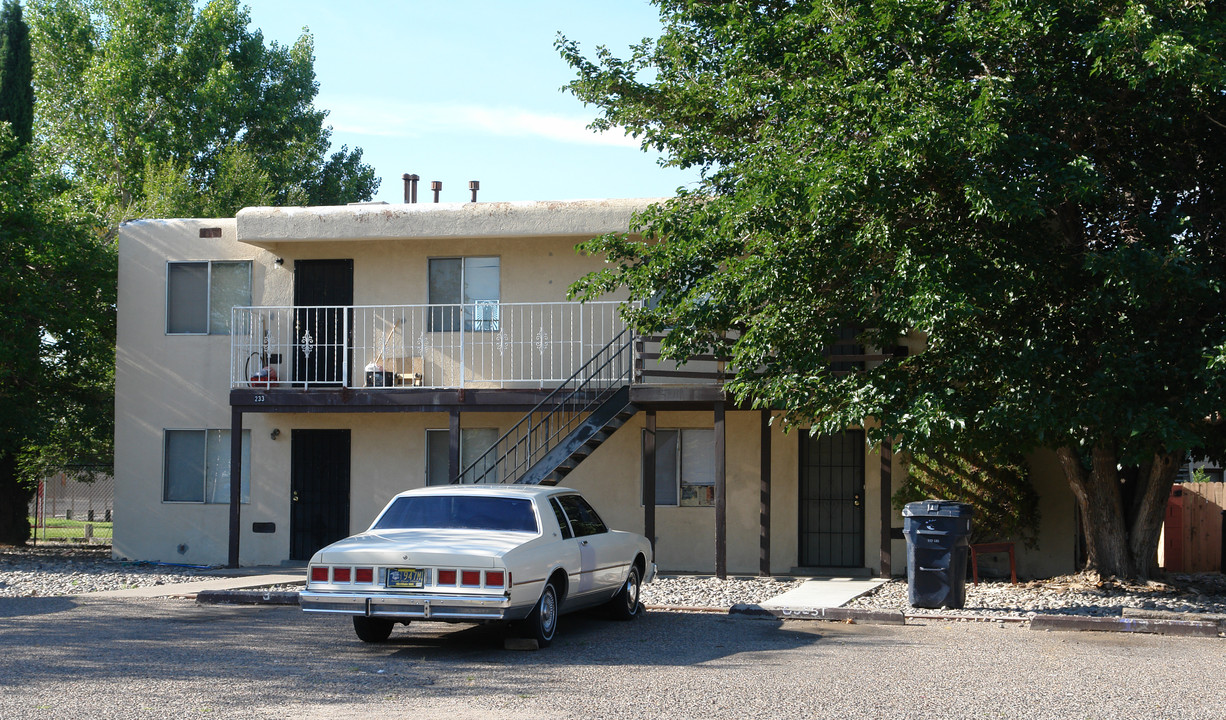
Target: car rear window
459, 512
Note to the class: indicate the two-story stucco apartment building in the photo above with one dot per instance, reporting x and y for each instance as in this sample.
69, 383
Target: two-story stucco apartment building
334, 356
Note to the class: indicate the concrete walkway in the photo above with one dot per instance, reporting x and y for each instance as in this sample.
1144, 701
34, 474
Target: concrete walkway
830, 592
240, 579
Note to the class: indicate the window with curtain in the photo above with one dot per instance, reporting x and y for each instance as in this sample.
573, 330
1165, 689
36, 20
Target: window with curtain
685, 467
469, 288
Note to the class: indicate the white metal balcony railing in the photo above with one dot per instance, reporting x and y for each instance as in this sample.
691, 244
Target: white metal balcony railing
480, 345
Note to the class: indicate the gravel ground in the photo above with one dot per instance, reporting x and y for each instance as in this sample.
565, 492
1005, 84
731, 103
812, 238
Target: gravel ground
1082, 594
149, 659
49, 571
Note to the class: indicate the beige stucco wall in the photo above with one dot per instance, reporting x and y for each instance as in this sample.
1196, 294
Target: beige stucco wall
1054, 553
169, 382
182, 382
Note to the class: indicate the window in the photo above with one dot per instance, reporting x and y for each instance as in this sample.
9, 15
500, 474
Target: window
197, 466
473, 444
563, 523
460, 512
469, 287
199, 295
583, 517
685, 467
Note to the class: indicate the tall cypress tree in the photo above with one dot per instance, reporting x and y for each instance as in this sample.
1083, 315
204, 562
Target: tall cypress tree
16, 73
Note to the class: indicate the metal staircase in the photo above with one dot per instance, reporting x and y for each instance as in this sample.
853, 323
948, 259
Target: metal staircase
565, 427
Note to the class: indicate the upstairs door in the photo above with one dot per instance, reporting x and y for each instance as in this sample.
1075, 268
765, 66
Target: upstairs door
319, 486
323, 321
832, 500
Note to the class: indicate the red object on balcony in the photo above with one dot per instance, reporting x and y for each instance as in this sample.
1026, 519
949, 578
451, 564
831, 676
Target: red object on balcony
264, 378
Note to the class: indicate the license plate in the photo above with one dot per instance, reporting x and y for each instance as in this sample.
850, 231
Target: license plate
406, 578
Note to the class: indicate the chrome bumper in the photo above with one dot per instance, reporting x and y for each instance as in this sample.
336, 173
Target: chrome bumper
425, 607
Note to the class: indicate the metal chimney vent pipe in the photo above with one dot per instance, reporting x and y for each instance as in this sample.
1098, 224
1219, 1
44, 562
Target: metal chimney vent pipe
410, 187
474, 186
437, 187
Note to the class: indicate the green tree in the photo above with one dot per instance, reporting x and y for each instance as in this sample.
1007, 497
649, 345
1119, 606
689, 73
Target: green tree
1031, 190
57, 333
138, 96
16, 90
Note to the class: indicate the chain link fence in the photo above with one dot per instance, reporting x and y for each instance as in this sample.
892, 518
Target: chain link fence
74, 506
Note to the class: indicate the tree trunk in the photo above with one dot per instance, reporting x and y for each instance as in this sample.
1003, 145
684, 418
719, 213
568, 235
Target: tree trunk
1120, 543
1102, 510
1149, 510
14, 503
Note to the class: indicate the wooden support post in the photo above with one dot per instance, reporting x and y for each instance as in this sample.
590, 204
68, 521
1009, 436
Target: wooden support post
721, 496
453, 448
764, 510
649, 481
887, 514
236, 481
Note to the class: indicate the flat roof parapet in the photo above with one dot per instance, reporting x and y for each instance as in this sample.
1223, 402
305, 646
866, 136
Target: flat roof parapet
266, 225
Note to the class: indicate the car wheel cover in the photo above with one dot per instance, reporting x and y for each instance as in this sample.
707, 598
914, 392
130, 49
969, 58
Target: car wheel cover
548, 612
631, 592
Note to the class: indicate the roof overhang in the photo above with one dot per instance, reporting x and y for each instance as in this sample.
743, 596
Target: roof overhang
268, 226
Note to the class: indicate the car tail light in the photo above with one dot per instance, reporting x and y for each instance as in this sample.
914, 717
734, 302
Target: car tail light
493, 578
340, 574
470, 577
319, 573
446, 577
364, 575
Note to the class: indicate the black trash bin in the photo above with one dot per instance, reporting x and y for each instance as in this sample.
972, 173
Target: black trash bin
938, 533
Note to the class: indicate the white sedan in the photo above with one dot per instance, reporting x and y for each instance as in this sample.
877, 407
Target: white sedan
480, 553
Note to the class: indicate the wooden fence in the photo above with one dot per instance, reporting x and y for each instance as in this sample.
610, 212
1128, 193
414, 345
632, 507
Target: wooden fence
1192, 531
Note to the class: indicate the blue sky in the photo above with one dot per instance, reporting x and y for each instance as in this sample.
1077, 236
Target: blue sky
469, 90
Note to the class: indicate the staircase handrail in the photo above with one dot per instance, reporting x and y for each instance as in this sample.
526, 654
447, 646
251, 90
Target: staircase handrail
553, 404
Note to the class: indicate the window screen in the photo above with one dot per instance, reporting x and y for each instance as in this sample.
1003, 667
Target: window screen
201, 295
196, 466
187, 298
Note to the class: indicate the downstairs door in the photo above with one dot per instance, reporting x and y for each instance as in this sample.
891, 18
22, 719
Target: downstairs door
319, 486
832, 500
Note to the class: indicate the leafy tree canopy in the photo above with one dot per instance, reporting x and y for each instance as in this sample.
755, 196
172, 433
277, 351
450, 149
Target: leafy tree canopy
57, 332
160, 108
1032, 191
16, 92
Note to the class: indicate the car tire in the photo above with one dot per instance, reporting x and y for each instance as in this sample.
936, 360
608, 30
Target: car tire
542, 622
372, 630
625, 604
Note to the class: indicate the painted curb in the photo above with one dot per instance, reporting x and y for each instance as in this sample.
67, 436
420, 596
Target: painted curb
1190, 628
866, 617
246, 597
1218, 618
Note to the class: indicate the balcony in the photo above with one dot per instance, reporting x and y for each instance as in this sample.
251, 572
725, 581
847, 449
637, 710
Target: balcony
441, 347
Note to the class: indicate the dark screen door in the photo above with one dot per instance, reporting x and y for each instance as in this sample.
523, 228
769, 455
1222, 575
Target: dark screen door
832, 500
319, 483
323, 320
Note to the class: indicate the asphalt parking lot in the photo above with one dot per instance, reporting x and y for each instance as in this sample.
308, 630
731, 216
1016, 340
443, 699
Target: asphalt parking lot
78, 658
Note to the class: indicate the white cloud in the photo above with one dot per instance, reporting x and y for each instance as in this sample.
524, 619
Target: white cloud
367, 116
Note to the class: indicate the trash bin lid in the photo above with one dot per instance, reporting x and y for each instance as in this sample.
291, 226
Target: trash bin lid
937, 508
